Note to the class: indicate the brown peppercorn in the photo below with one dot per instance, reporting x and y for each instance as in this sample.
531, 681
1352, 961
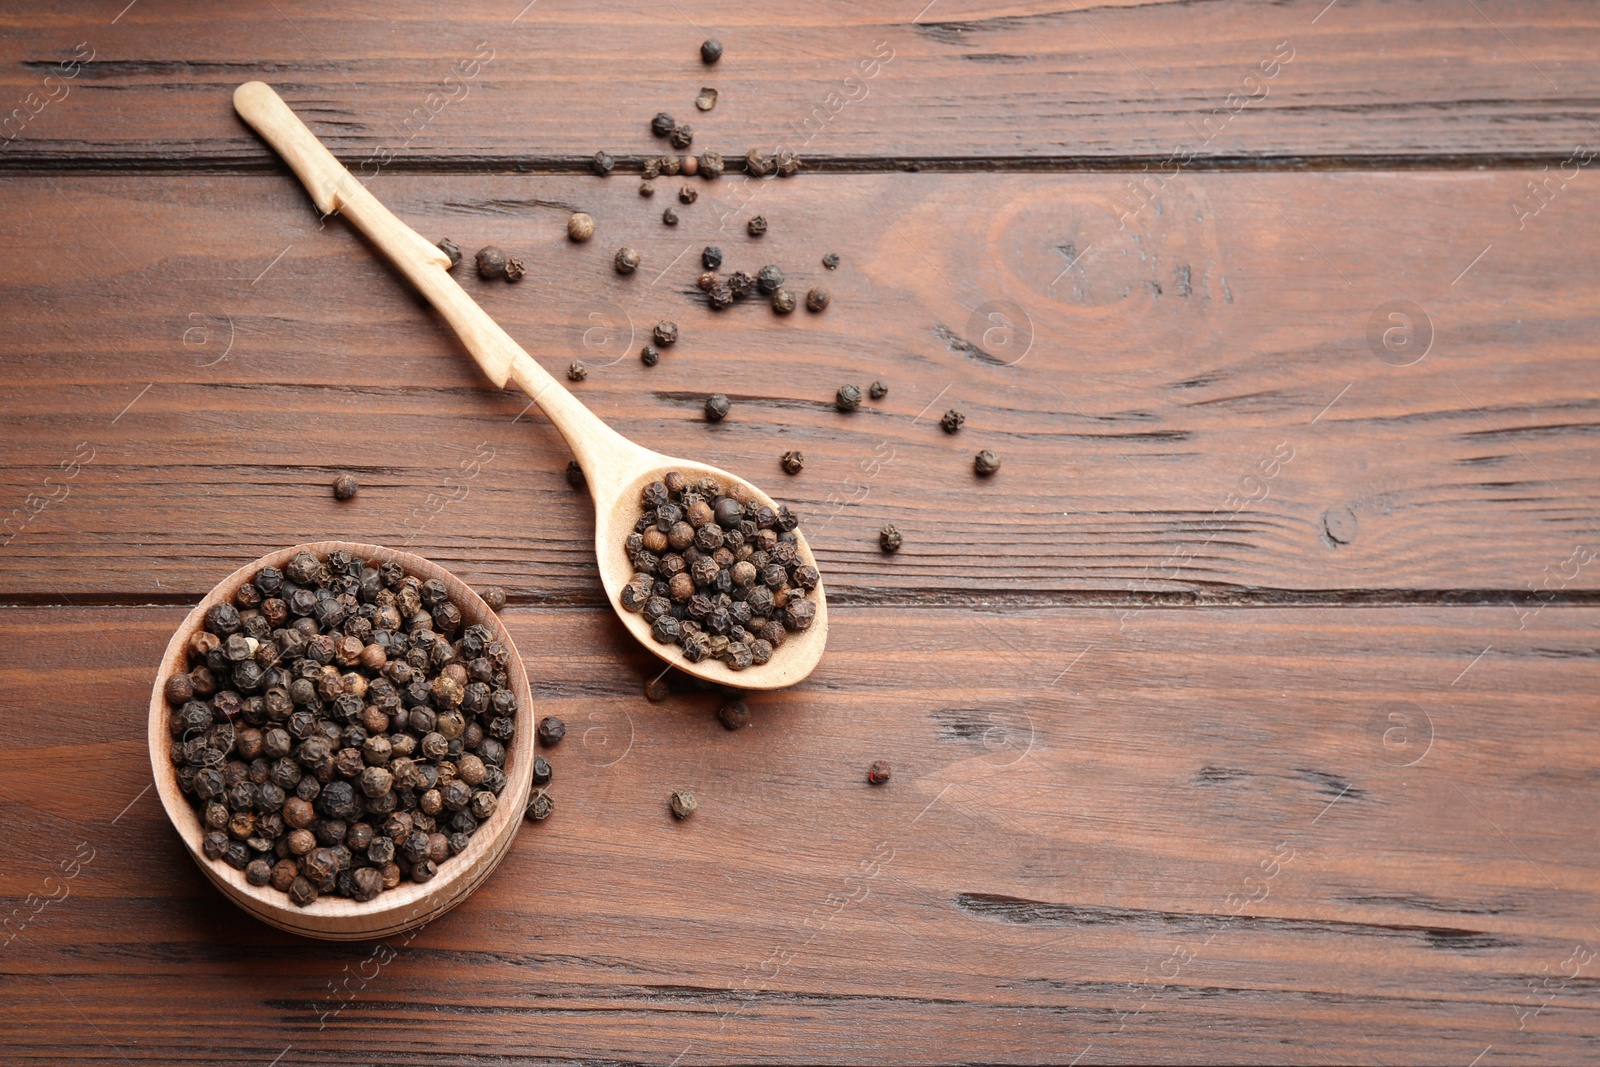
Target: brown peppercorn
301, 892
657, 689
551, 731
670, 216
345, 487
758, 164
179, 689
647, 188
627, 260
741, 282
491, 262
688, 194
717, 407
451, 250
707, 99
682, 803
816, 299
682, 136
783, 302
515, 270
576, 371
720, 296
889, 539
651, 169
952, 420
878, 390
756, 226
793, 462
662, 124
878, 773
649, 355
788, 163
985, 463
580, 227
666, 333
707, 280
540, 806
711, 165
688, 164
734, 714
848, 398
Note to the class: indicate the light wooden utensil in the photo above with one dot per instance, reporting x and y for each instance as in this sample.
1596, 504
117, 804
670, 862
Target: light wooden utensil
617, 470
407, 905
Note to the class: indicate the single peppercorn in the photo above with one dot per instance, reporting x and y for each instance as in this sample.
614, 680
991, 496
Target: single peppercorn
541, 771
688, 194
717, 407
580, 226
647, 188
985, 463
688, 164
662, 124
793, 462
707, 99
734, 714
756, 226
711, 257
491, 262
575, 476
951, 421
783, 302
889, 539
540, 806
788, 163
878, 773
710, 50
768, 278
666, 333
452, 250
707, 280
651, 169
628, 260
670, 216
682, 803
602, 164
345, 487
551, 731
720, 296
649, 356
878, 390
492, 595
741, 282
831, 261
657, 689
816, 299
711, 165
515, 270
682, 136
179, 689
848, 398
758, 164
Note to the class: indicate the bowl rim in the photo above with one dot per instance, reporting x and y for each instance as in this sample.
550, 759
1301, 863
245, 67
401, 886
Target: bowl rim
408, 904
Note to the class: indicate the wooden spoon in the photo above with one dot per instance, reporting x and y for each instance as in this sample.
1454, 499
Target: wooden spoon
617, 470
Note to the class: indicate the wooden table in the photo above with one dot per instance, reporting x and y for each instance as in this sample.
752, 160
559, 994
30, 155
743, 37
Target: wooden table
1247, 714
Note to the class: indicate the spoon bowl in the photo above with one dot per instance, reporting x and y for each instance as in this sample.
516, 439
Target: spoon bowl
615, 468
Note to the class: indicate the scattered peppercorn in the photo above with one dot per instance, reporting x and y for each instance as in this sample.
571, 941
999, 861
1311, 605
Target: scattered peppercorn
878, 773
491, 262
788, 163
793, 462
451, 249
688, 194
711, 50
816, 299
741, 282
551, 731
541, 771
656, 689
540, 806
575, 475
345, 486
831, 261
734, 714
720, 295
493, 596
628, 260
952, 420
662, 124
848, 398
682, 136
580, 227
602, 164
576, 371
717, 407
688, 164
670, 216
651, 169
758, 164
515, 270
711, 257
320, 773
649, 356
986, 463
768, 278
783, 301
889, 539
682, 803
647, 188
707, 99
756, 226
711, 165
666, 334
707, 280
878, 390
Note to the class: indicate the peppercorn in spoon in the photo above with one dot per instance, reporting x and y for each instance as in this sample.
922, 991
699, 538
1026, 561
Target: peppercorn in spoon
623, 478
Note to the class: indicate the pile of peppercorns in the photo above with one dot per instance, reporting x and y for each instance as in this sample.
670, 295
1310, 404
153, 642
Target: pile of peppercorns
339, 730
717, 572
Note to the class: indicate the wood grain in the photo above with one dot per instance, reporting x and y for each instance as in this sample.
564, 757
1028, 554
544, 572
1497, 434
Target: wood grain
1062, 861
956, 84
223, 356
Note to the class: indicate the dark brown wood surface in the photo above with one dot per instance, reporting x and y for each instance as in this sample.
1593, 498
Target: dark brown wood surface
1246, 715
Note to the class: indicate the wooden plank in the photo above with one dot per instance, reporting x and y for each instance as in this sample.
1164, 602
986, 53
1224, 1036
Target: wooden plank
1187, 398
1029, 83
1062, 864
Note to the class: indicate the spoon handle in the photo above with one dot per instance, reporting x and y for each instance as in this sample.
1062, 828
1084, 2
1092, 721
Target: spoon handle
333, 188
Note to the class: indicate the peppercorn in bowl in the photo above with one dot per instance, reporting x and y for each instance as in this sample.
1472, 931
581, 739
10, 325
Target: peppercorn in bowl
342, 735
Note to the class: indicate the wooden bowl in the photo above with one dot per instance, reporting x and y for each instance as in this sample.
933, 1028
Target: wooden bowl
409, 904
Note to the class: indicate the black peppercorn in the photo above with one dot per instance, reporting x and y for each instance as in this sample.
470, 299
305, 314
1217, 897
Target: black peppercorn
756, 226
788, 163
666, 333
793, 462
734, 714
551, 730
711, 50
758, 164
451, 249
711, 165
720, 295
540, 806
952, 420
831, 261
889, 539
670, 216
682, 135
682, 803
878, 773
576, 371
493, 596
741, 282
783, 302
717, 407
986, 463
688, 194
848, 398
816, 299
662, 124
651, 169
491, 262
647, 188
878, 390
768, 278
602, 164
575, 477
711, 257
541, 770
649, 356
628, 260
